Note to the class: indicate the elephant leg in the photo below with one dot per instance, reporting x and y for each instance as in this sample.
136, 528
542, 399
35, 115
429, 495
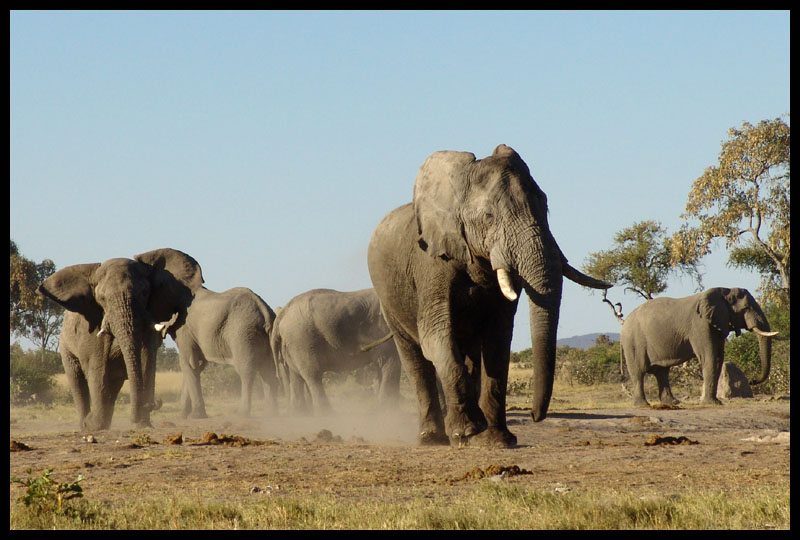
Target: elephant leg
319, 400
464, 418
664, 391
636, 361
423, 378
113, 385
192, 364
77, 384
266, 370
389, 383
496, 357
103, 392
299, 402
245, 368
712, 368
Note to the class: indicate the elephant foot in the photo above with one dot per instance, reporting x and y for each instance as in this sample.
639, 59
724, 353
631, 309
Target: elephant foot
669, 402
466, 425
142, 424
494, 437
433, 438
641, 403
197, 415
711, 401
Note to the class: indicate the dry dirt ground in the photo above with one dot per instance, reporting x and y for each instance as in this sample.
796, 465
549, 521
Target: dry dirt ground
357, 454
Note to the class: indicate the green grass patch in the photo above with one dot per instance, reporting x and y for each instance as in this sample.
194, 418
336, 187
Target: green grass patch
487, 506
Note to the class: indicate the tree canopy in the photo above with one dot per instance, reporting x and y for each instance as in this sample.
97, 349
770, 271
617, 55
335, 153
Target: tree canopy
640, 260
744, 199
31, 315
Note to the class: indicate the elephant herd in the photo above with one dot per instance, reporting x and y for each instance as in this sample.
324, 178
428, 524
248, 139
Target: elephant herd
447, 269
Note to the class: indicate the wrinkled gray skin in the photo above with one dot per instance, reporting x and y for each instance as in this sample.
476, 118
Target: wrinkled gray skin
108, 334
325, 330
230, 327
434, 265
664, 332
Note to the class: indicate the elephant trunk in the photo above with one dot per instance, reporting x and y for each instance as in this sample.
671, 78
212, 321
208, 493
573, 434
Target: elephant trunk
122, 322
756, 322
540, 270
765, 354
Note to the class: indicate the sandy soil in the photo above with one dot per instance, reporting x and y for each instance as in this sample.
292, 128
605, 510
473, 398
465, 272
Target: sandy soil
357, 454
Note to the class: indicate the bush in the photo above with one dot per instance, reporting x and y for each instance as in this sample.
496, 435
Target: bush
31, 375
221, 380
598, 364
167, 359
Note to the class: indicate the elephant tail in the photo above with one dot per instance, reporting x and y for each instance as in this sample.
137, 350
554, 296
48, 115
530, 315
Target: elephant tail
369, 346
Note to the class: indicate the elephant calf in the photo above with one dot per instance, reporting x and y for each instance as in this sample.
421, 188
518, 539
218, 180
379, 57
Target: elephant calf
230, 327
326, 330
664, 332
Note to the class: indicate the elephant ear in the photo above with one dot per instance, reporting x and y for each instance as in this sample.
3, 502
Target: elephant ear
71, 287
439, 194
174, 279
713, 306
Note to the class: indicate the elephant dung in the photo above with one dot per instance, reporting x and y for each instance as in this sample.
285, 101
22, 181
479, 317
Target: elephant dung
733, 383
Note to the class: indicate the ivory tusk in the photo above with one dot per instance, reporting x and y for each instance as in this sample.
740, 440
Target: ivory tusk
158, 326
764, 334
506, 286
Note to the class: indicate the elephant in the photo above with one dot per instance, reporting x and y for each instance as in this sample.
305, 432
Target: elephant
230, 327
328, 330
448, 268
665, 332
118, 313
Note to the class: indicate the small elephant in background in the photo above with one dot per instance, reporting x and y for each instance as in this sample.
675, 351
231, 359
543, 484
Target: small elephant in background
327, 330
117, 313
664, 332
230, 327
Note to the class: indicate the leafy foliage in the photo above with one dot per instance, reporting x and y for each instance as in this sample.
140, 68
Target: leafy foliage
32, 316
167, 359
32, 375
640, 260
745, 196
44, 495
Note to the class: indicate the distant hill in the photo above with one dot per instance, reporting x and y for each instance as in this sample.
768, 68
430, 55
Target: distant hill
585, 341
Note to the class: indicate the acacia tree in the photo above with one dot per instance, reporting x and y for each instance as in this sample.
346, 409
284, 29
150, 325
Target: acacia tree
32, 316
745, 200
640, 260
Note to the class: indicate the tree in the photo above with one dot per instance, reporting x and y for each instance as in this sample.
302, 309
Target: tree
640, 260
32, 316
745, 200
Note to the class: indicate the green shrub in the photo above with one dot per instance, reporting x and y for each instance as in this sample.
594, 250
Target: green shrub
32, 375
221, 380
45, 496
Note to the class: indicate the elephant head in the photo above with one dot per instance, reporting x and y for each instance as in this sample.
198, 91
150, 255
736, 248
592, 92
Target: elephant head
126, 299
734, 309
490, 215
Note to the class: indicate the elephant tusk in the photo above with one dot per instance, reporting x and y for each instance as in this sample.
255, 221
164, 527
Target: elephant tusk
506, 286
159, 327
764, 334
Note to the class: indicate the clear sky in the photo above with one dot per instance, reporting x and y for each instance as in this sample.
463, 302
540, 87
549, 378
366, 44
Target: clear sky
268, 145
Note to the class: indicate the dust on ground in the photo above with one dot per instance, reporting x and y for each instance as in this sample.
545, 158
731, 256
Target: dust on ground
360, 454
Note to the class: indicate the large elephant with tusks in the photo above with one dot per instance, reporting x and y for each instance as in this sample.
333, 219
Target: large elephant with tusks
448, 268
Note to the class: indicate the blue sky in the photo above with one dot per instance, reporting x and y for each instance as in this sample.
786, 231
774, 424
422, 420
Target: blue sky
268, 145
